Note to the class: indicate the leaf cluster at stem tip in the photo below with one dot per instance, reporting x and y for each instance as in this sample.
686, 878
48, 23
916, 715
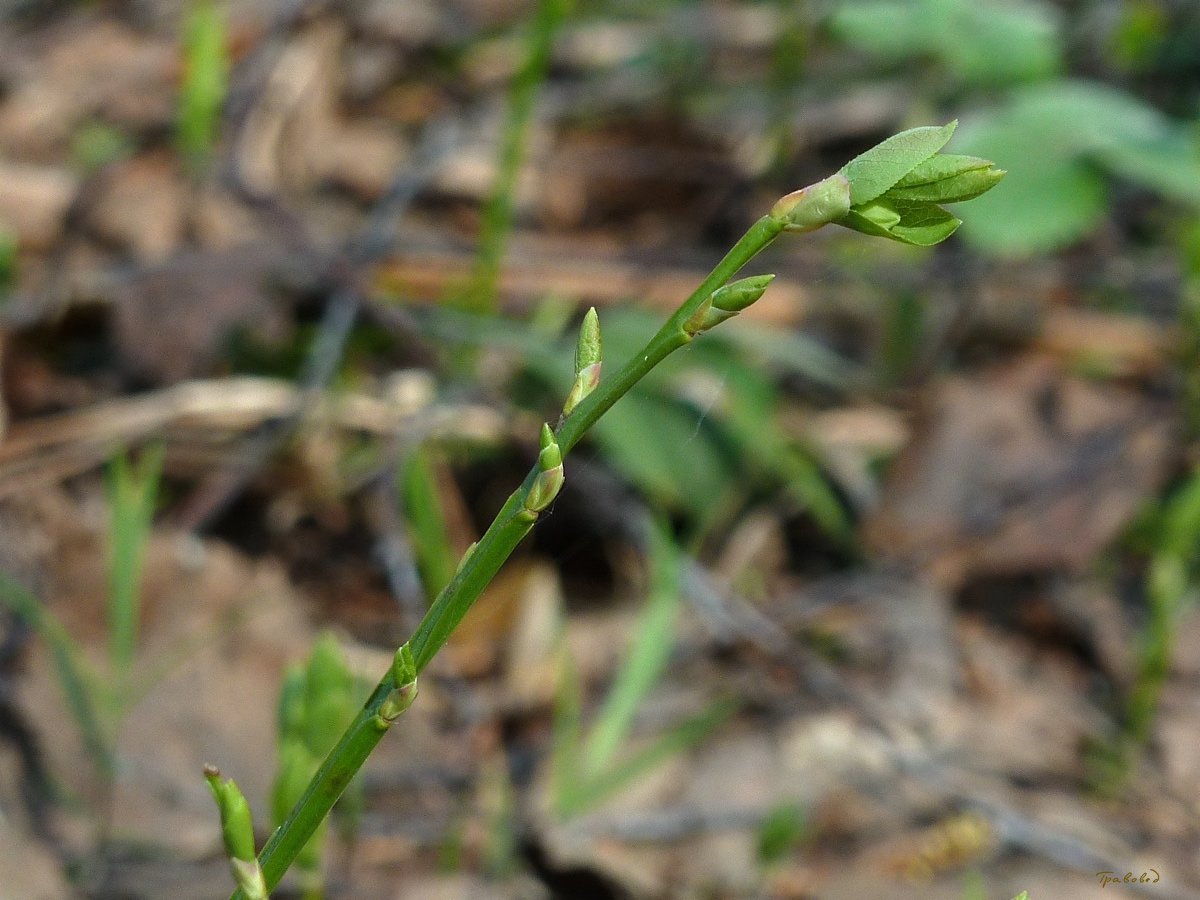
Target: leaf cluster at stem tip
894, 190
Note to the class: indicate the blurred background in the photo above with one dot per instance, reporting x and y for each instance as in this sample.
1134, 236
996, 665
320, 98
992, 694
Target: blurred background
884, 588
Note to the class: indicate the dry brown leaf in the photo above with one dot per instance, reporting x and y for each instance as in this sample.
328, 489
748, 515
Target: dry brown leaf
1024, 469
34, 201
143, 207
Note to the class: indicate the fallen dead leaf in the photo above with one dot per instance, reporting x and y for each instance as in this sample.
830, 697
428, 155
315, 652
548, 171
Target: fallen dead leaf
34, 201
143, 207
1024, 469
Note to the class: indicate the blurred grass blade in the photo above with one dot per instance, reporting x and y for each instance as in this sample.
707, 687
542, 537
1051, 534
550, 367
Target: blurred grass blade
1180, 536
132, 494
202, 92
426, 519
647, 657
479, 292
679, 739
568, 718
77, 687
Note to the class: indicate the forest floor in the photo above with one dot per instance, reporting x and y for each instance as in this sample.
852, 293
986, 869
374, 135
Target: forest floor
923, 693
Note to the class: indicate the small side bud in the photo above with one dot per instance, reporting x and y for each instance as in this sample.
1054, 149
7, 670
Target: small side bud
589, 351
551, 477
237, 831
737, 295
550, 454
545, 489
811, 207
696, 323
588, 354
466, 555
725, 303
401, 697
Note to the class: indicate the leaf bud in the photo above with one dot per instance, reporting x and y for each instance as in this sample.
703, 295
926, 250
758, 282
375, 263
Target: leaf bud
401, 697
811, 207
550, 454
737, 295
237, 825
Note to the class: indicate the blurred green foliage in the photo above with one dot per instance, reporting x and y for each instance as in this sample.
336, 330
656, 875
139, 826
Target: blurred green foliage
318, 700
978, 44
1063, 140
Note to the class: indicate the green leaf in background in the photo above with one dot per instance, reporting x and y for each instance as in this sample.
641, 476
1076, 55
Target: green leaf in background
881, 167
1060, 142
978, 43
8, 259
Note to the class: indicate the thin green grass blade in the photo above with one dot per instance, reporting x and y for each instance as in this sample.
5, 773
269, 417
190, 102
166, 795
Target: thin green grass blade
567, 734
426, 518
205, 71
480, 290
77, 686
647, 657
679, 739
133, 493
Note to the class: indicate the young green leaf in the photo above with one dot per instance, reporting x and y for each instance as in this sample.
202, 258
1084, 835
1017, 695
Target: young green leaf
77, 684
133, 493
881, 167
919, 224
947, 178
424, 512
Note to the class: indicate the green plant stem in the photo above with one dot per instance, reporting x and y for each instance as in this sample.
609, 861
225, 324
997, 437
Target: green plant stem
511, 524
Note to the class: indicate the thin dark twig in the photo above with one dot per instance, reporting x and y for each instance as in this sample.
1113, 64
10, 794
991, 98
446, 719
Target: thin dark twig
216, 493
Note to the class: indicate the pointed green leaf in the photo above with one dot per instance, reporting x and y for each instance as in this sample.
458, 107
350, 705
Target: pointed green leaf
919, 224
237, 827
947, 178
941, 166
924, 225
954, 189
645, 659
886, 163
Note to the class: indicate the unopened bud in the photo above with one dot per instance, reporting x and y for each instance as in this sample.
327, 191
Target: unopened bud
401, 697
811, 207
237, 827
545, 488
550, 454
737, 295
589, 351
586, 381
725, 303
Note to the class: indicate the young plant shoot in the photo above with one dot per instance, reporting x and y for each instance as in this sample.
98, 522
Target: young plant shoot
893, 191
